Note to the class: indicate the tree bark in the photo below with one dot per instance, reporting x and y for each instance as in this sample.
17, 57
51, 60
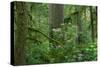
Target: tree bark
96, 22
21, 33
79, 25
92, 24
56, 17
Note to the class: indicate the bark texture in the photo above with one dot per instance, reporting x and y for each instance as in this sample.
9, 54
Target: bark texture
21, 33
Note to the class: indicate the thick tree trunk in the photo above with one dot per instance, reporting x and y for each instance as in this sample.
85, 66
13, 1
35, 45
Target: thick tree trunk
56, 17
21, 33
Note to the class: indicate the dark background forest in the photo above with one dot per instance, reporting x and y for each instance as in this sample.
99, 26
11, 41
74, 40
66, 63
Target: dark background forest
54, 33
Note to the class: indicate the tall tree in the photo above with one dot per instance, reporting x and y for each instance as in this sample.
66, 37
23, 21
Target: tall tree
56, 17
96, 20
79, 25
21, 33
92, 24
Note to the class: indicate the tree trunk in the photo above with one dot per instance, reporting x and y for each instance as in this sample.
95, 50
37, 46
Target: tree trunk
79, 25
92, 24
21, 33
56, 17
96, 22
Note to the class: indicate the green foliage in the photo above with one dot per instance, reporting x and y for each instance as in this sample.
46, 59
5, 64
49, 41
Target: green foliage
63, 46
90, 52
67, 50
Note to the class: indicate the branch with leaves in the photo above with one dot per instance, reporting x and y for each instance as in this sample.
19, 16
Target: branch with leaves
35, 30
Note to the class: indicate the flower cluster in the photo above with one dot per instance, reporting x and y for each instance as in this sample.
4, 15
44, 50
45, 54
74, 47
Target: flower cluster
56, 29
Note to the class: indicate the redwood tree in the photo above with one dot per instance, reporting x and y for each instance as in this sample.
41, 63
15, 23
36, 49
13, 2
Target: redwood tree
21, 33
